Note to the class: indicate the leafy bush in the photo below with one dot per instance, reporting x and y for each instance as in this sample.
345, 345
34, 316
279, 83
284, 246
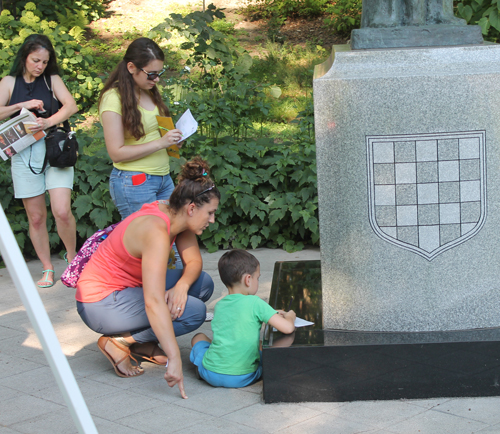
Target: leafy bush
344, 16
67, 12
73, 60
268, 193
486, 13
223, 26
220, 95
289, 8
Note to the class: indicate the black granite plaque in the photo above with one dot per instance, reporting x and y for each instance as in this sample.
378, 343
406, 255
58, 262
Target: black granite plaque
314, 364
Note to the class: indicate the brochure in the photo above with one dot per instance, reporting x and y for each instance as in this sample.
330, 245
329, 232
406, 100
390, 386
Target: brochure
15, 134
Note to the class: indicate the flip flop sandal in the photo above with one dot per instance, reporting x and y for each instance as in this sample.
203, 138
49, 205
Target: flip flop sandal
46, 282
66, 258
101, 343
151, 356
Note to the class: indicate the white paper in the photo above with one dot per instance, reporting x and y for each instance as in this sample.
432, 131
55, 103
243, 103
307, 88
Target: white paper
187, 124
299, 322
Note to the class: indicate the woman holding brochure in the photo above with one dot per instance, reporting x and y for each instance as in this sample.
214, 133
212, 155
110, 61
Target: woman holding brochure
27, 87
128, 106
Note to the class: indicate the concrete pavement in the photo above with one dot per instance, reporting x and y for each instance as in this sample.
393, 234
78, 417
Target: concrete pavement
30, 401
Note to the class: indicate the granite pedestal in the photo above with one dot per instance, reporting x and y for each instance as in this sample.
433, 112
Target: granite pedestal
408, 154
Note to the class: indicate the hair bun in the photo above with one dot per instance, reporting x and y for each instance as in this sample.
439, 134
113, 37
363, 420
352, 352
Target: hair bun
196, 170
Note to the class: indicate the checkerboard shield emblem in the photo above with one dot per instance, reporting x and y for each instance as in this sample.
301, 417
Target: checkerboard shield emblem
427, 192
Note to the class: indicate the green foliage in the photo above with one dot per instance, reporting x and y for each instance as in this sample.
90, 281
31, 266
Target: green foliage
221, 96
69, 13
205, 47
223, 26
268, 189
485, 13
344, 16
74, 61
269, 194
92, 205
290, 8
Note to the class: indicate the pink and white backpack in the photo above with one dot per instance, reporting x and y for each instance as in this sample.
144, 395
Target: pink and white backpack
72, 273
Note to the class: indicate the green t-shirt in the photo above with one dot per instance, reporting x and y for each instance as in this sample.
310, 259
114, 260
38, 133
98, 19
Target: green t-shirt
156, 163
236, 327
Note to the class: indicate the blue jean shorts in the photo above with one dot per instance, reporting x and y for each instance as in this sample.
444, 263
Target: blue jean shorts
27, 184
221, 380
129, 198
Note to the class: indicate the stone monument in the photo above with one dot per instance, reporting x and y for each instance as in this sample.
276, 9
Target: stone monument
407, 144
412, 23
408, 162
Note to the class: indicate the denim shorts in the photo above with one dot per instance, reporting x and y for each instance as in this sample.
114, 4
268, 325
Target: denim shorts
27, 184
129, 198
221, 380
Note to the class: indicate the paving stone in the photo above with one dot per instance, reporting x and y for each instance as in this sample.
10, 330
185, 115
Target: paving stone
55, 422
113, 406
328, 424
379, 414
219, 426
480, 409
218, 402
24, 407
156, 420
271, 418
433, 421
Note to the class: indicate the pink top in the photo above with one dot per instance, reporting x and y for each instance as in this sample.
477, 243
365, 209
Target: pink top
112, 268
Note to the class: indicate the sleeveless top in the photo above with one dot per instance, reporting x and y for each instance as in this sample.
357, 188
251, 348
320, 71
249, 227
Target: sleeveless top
33, 155
27, 91
111, 267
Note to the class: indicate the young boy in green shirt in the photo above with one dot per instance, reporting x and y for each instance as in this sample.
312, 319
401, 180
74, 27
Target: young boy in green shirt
233, 358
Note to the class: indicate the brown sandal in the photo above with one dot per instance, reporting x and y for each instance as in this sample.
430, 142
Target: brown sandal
150, 357
101, 343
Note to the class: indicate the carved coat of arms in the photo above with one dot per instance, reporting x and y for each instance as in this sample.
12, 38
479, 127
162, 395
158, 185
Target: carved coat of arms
427, 192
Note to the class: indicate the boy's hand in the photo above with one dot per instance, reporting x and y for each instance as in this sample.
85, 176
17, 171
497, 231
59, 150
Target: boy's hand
290, 315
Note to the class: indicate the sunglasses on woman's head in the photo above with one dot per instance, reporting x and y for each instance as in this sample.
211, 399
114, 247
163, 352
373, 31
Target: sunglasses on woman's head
153, 75
203, 192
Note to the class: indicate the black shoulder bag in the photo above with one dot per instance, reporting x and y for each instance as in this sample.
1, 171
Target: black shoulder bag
60, 143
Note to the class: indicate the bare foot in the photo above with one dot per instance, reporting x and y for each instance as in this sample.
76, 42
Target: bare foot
150, 351
119, 356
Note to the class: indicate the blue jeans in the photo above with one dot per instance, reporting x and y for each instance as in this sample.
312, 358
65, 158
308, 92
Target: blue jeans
129, 198
124, 311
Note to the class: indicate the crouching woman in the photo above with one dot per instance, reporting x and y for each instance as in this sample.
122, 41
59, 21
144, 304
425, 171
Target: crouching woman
125, 291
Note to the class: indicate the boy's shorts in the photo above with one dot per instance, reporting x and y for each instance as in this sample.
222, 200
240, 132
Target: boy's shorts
221, 380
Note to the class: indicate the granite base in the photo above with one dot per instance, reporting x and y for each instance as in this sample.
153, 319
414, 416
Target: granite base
338, 365
415, 36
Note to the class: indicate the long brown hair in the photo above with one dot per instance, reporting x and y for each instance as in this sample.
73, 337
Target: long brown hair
30, 44
140, 52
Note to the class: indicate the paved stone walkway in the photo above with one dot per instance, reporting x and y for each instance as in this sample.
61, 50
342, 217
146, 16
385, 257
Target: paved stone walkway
30, 401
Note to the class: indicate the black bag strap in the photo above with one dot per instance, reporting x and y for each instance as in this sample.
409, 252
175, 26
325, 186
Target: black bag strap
44, 165
55, 106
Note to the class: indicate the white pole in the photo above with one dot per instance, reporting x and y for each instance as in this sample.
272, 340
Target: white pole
11, 254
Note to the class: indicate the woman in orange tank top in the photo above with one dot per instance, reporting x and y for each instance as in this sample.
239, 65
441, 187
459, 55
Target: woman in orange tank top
123, 292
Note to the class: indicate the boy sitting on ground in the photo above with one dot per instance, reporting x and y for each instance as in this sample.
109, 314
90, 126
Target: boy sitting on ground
233, 358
